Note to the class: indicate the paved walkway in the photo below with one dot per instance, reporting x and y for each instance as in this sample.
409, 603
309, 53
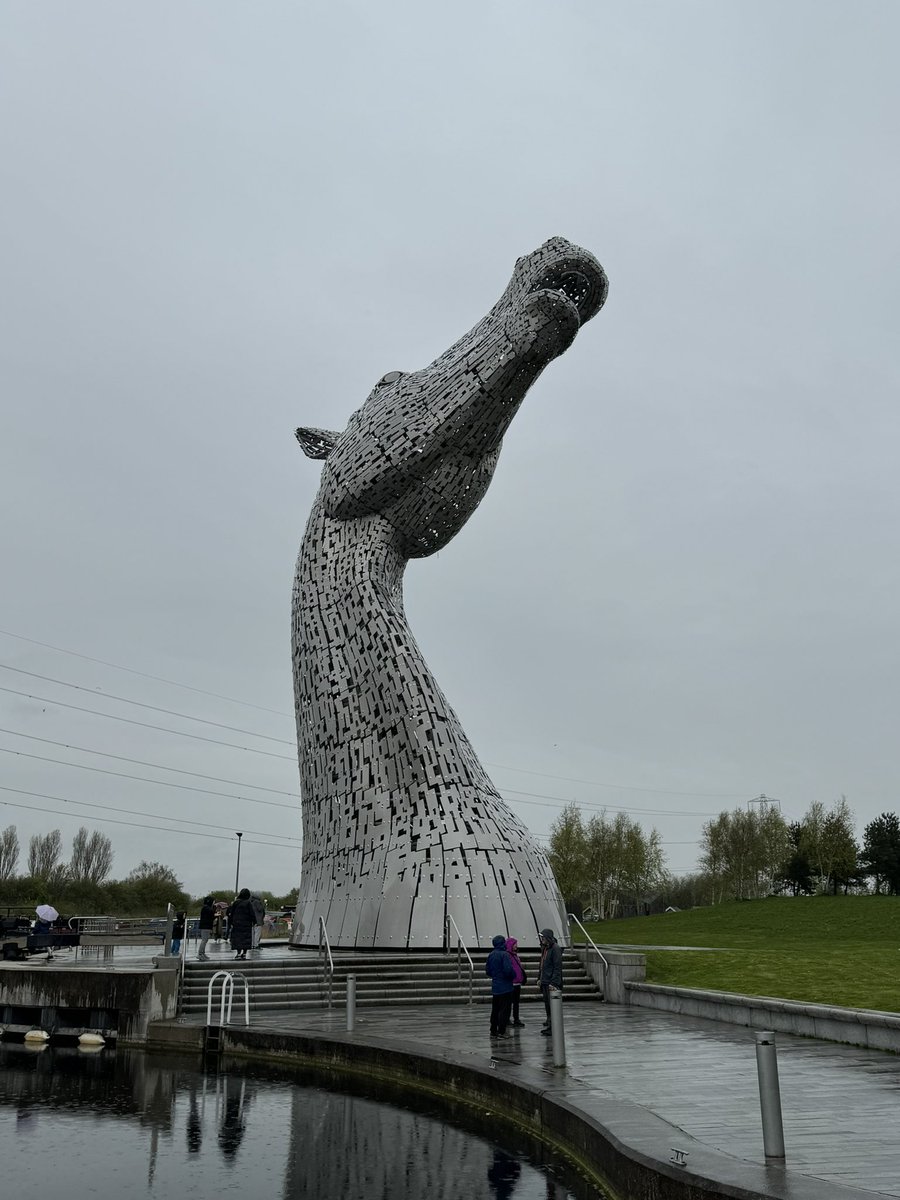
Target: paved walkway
841, 1105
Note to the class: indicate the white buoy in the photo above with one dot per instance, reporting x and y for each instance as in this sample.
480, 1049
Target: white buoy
37, 1035
87, 1040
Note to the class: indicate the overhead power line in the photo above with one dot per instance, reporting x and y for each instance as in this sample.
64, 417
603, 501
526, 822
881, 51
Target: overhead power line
140, 762
143, 674
625, 787
134, 812
655, 812
221, 837
622, 787
146, 725
163, 783
140, 704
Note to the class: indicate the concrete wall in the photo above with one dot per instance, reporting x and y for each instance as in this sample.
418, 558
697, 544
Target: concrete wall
621, 967
138, 996
854, 1026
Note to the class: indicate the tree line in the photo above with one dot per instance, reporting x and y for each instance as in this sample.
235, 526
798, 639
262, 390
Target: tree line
80, 885
610, 867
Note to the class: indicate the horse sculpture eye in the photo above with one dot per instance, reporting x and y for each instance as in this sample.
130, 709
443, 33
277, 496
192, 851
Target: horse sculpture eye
391, 377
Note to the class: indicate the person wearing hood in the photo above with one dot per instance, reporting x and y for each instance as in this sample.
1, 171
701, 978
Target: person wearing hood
551, 971
519, 977
500, 968
241, 920
207, 920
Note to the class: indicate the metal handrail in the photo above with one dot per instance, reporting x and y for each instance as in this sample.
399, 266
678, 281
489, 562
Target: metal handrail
328, 963
590, 941
228, 978
460, 946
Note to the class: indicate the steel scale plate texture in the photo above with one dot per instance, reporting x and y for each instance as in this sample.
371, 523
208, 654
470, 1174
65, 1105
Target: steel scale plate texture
401, 824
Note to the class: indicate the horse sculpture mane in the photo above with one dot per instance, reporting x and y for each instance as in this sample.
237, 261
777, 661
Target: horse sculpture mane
402, 828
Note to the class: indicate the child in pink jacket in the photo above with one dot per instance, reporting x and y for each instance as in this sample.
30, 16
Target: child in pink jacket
519, 977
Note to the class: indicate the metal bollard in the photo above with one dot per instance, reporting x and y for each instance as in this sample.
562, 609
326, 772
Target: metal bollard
769, 1097
351, 1003
557, 1029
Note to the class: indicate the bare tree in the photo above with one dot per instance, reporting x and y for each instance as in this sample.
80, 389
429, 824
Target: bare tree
9, 852
44, 850
92, 857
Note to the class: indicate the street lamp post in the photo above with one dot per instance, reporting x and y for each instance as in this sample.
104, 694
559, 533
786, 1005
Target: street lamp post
237, 870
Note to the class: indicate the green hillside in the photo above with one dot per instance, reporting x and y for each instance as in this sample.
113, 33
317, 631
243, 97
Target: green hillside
824, 949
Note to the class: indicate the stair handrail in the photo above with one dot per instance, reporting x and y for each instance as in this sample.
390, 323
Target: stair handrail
328, 962
228, 978
590, 942
460, 946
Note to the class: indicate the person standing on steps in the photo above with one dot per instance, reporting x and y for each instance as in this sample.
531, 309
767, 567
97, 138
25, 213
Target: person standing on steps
241, 919
551, 971
519, 978
500, 968
207, 920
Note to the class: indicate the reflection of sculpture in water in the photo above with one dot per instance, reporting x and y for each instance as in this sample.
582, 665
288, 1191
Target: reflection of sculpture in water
401, 824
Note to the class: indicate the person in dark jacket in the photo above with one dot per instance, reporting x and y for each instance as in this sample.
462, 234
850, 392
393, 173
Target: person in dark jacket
207, 920
178, 932
551, 971
241, 919
499, 967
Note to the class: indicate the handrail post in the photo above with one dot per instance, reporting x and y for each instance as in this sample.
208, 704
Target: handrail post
351, 1003
557, 1029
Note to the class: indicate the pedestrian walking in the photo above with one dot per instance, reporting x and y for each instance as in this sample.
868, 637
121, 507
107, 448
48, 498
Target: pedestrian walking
241, 919
519, 978
499, 967
551, 971
207, 921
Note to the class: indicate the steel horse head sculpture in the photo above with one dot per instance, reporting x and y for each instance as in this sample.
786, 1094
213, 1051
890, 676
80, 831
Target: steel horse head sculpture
402, 828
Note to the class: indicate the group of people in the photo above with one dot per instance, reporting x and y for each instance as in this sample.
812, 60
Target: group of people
508, 977
246, 917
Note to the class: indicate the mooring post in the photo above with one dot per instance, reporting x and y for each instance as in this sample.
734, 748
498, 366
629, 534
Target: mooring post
170, 921
557, 1030
769, 1097
351, 1003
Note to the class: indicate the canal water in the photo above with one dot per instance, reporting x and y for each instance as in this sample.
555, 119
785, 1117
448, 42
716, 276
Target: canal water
112, 1125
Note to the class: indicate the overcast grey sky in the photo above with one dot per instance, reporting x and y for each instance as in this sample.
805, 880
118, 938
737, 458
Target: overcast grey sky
223, 220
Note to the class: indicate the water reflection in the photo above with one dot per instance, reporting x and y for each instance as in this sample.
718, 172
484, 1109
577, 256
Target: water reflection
122, 1124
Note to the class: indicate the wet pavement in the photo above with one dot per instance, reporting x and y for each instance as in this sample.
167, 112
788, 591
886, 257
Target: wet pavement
840, 1104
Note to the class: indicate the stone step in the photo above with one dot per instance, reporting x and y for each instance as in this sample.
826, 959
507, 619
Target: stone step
296, 981
283, 1005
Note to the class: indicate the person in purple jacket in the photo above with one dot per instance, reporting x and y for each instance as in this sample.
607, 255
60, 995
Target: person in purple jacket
519, 977
500, 968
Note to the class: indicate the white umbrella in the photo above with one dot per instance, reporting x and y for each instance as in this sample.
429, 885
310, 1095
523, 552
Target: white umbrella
46, 912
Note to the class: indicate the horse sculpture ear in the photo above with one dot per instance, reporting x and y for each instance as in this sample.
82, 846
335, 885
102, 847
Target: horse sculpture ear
316, 443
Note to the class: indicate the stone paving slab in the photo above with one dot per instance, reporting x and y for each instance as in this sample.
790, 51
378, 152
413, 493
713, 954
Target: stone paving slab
841, 1104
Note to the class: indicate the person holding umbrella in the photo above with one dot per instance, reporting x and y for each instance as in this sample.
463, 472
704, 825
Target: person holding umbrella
46, 915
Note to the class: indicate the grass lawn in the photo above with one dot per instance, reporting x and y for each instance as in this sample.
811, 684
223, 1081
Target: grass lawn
841, 950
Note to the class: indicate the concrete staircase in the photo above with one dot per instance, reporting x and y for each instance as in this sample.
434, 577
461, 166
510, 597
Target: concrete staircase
294, 980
